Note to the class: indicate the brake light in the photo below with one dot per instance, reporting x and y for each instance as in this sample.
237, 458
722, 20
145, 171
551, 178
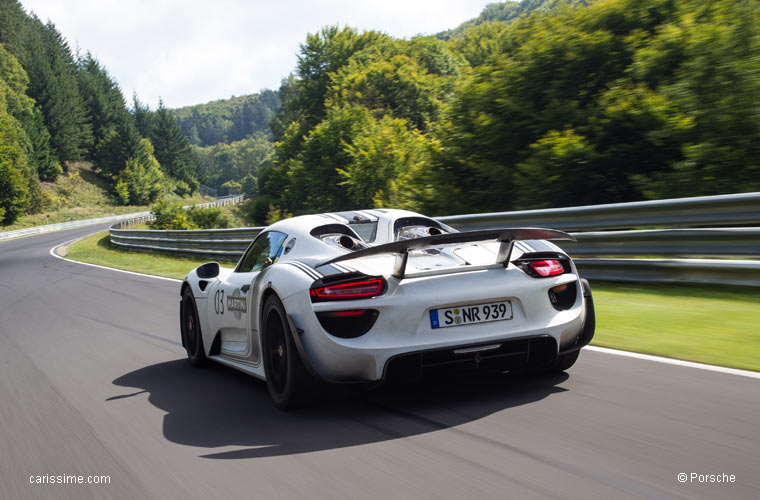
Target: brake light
547, 268
364, 289
348, 314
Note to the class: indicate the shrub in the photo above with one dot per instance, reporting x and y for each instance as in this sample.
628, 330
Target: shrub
169, 216
208, 218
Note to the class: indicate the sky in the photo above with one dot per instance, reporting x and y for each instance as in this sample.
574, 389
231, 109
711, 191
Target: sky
190, 52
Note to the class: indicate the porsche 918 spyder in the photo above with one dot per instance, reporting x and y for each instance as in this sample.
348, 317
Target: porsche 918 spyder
366, 296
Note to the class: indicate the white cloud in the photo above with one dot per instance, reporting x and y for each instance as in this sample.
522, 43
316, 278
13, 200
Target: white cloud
190, 51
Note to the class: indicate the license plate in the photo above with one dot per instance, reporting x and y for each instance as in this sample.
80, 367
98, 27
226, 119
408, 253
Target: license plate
471, 314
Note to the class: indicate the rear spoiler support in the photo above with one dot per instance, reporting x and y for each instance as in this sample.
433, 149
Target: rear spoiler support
401, 249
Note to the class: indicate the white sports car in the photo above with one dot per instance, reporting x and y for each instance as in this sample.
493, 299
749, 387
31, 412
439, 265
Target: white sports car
369, 295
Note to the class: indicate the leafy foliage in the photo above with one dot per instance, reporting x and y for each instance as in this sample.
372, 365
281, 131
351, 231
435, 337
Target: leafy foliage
58, 109
141, 181
170, 215
233, 162
230, 120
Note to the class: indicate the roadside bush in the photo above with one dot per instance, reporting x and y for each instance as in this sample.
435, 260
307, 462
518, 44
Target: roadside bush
208, 218
169, 216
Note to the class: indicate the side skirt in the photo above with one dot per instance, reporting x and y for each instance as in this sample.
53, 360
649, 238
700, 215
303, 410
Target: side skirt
240, 366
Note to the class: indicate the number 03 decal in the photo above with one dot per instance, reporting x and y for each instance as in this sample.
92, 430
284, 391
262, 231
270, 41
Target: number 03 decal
219, 302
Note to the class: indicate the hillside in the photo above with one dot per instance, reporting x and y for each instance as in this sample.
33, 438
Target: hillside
228, 120
506, 12
59, 107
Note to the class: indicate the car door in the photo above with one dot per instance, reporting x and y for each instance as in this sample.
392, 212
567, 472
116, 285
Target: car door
231, 300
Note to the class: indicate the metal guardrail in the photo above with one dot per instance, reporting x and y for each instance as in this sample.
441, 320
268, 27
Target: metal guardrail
70, 225
703, 211
229, 244
722, 272
734, 242
124, 219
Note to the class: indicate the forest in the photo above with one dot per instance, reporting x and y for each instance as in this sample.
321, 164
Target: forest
230, 139
539, 103
572, 103
57, 107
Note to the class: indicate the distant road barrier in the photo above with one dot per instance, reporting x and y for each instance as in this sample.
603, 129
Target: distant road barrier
722, 272
703, 211
70, 225
229, 244
124, 219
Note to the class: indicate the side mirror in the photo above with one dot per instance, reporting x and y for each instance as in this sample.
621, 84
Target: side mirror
208, 270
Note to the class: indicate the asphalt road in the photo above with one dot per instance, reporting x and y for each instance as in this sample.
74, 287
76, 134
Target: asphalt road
93, 381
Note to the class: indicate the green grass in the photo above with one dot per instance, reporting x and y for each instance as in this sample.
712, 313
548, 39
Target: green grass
97, 249
715, 325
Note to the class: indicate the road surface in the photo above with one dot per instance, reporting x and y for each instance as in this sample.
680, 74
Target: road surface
93, 382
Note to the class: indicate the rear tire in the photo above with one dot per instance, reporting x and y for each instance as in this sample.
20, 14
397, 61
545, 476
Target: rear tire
191, 330
290, 385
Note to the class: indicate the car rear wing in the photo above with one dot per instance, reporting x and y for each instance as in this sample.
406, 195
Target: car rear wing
506, 237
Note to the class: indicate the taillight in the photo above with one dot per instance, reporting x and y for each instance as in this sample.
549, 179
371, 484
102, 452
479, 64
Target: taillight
363, 289
547, 268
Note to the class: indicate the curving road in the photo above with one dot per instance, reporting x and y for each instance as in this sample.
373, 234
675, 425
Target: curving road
93, 381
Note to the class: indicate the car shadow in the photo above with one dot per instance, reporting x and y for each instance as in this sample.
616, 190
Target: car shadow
216, 407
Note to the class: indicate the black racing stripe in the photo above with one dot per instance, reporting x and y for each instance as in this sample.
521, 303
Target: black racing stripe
306, 269
336, 217
368, 215
349, 215
530, 248
523, 247
347, 269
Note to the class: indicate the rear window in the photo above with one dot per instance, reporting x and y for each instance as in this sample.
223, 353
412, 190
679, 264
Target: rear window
366, 230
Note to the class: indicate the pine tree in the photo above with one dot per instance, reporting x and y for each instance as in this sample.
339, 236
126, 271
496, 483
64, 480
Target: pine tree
52, 84
102, 98
173, 148
143, 117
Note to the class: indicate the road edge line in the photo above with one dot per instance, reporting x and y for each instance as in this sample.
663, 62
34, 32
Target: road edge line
673, 361
52, 252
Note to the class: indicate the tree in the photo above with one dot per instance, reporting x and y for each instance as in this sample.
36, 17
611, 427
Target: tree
395, 84
141, 181
14, 171
119, 145
102, 98
172, 148
14, 194
387, 165
14, 82
52, 84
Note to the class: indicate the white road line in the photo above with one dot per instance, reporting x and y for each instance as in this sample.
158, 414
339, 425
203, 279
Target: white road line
52, 252
677, 362
605, 350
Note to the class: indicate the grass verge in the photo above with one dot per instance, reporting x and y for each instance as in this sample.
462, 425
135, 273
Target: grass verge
97, 249
707, 324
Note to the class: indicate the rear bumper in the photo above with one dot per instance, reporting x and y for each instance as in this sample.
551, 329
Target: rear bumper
589, 322
507, 353
404, 326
